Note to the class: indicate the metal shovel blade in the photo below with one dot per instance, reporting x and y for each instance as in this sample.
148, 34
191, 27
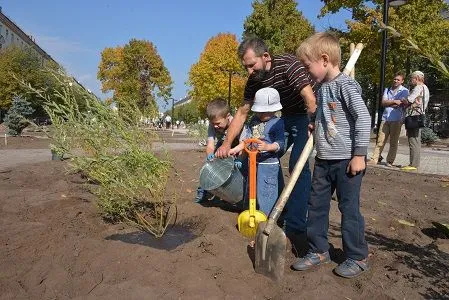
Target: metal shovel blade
270, 252
271, 242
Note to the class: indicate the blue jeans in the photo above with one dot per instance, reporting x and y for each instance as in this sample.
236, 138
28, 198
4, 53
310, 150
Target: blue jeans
329, 175
269, 186
296, 133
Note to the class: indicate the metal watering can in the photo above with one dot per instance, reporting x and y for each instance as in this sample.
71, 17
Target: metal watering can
223, 179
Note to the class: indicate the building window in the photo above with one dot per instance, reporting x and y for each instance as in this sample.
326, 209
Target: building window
12, 38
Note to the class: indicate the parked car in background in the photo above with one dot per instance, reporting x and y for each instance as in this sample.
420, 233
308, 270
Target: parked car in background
41, 121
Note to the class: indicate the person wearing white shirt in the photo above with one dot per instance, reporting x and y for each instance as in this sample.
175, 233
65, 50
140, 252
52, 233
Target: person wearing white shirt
416, 104
392, 119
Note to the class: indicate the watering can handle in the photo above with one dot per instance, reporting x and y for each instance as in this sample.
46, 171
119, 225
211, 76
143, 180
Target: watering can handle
282, 200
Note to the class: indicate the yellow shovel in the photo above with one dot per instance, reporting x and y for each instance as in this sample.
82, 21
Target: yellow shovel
249, 219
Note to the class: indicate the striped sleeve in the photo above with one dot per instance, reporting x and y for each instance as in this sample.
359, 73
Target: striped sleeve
360, 116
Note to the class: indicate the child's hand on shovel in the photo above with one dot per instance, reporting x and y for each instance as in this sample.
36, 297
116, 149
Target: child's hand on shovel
264, 146
311, 128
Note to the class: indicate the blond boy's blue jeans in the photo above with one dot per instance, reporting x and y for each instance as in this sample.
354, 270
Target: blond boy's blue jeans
328, 176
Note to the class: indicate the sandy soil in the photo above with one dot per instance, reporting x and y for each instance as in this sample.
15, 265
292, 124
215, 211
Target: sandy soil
54, 244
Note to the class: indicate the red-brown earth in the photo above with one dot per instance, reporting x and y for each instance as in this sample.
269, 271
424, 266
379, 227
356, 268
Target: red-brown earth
55, 245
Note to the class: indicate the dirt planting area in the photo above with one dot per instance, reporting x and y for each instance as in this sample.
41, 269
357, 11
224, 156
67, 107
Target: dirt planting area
54, 244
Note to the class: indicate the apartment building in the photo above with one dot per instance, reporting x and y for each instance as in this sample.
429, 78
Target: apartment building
12, 34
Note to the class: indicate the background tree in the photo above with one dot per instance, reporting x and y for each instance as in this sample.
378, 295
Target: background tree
187, 112
418, 19
279, 23
209, 77
18, 65
136, 73
17, 117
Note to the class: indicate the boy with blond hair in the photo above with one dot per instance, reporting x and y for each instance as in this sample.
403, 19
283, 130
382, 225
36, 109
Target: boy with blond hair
342, 130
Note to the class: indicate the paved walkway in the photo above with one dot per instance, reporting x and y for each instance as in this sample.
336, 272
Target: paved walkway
11, 158
432, 161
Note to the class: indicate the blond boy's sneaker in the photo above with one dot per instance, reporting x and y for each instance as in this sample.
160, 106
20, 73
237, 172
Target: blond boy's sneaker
409, 168
351, 268
311, 260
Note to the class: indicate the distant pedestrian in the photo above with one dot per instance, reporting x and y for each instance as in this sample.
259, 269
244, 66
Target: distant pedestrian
167, 122
390, 127
416, 104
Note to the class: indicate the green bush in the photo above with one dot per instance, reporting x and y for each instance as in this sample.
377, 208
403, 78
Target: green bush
114, 153
428, 136
198, 132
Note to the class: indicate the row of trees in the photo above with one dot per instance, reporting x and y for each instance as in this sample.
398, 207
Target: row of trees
420, 20
21, 68
283, 27
17, 64
136, 71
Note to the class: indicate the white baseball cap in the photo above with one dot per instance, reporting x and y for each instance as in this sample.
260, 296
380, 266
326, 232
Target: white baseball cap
267, 100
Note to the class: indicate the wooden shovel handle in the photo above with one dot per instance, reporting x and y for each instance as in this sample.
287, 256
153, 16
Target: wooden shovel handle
282, 200
353, 59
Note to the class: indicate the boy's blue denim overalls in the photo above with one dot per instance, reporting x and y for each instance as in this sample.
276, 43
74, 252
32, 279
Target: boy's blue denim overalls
270, 180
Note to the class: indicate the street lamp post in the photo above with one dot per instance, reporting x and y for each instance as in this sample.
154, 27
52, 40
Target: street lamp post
386, 4
172, 106
230, 73
229, 89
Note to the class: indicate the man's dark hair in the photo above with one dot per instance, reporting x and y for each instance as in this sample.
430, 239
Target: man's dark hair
217, 108
400, 73
257, 44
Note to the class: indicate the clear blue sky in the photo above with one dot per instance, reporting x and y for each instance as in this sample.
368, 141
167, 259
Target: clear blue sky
75, 32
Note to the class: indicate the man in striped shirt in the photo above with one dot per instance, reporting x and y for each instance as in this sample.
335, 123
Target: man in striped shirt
289, 77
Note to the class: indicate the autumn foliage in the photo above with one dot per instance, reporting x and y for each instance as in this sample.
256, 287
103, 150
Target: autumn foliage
135, 73
209, 77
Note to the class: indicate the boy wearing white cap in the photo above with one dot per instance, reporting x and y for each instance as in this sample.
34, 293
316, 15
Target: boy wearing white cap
269, 129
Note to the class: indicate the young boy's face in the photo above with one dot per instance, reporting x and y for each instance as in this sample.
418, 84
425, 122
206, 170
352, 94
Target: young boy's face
264, 116
220, 123
316, 68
